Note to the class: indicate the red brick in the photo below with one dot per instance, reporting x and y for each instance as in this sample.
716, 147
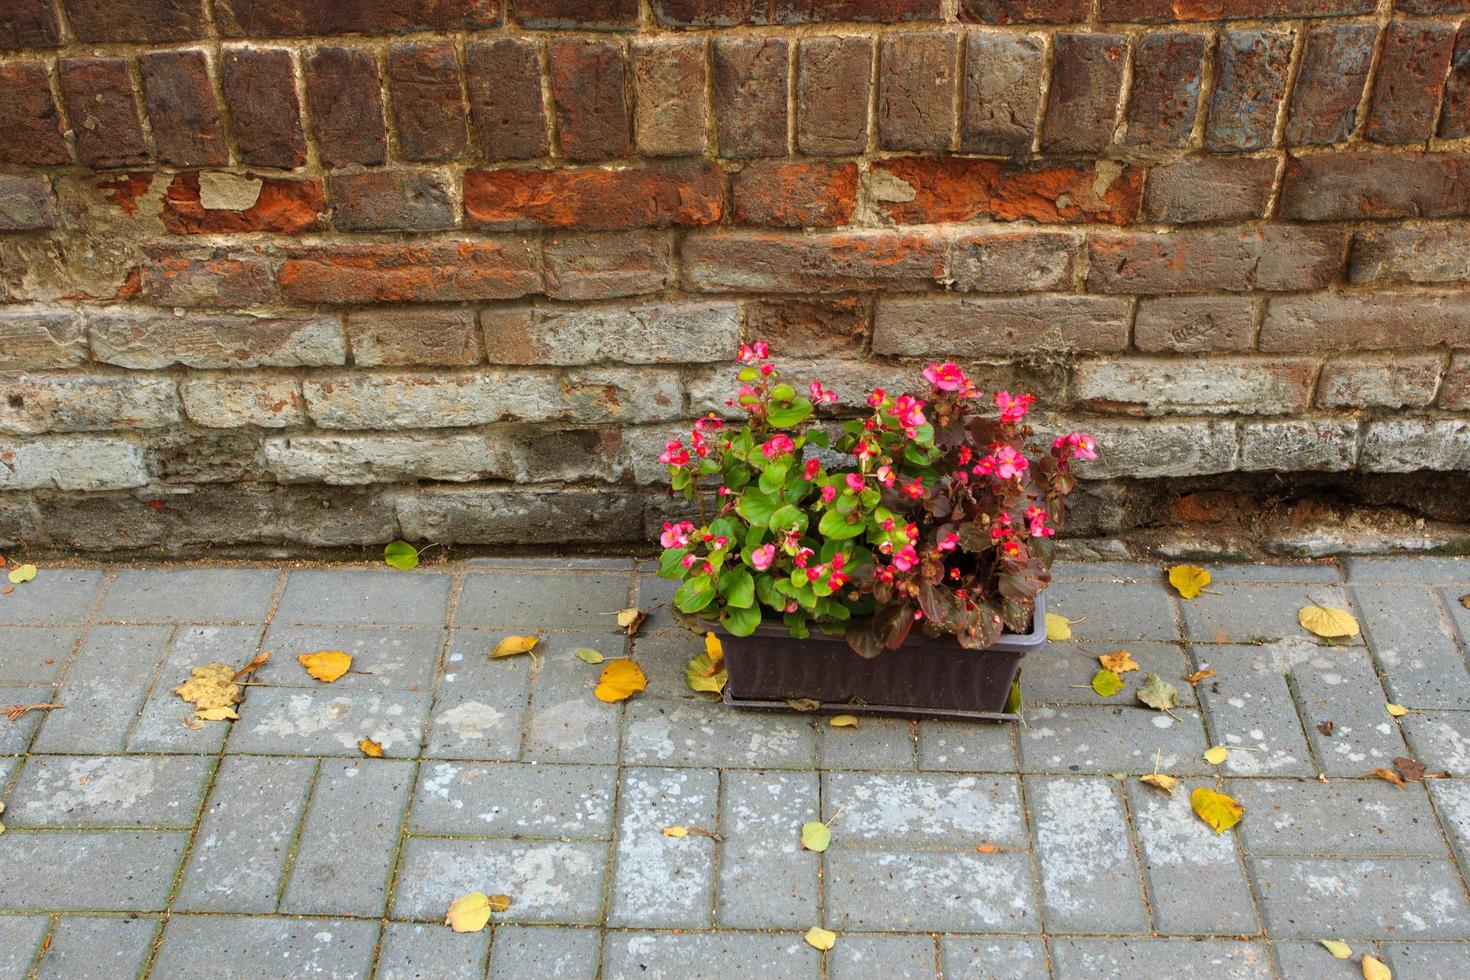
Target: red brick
1209, 189
1166, 85
288, 205
343, 88
506, 104
294, 18
916, 90
1272, 257
1454, 115
604, 15
589, 84
29, 24
759, 261
965, 190
795, 194
1087, 80
1344, 186
833, 83
1025, 11
603, 265
186, 122
103, 111
1002, 92
709, 13
1250, 81
594, 199
809, 328
862, 11
432, 272
750, 95
670, 76
1012, 262
30, 125
1165, 11
260, 89
428, 101
135, 20
1411, 75
219, 277
1454, 394
1329, 85
1432, 6
391, 200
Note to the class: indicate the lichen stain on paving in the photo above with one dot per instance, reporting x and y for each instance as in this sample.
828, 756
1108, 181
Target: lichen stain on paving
471, 720
926, 807
1171, 834
307, 716
567, 725
1069, 832
985, 896
99, 785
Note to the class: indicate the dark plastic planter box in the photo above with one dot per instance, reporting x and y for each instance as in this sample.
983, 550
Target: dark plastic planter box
924, 678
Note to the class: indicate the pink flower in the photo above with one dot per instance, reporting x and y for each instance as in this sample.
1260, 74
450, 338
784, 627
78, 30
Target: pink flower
820, 395
1012, 407
945, 377
1078, 444
766, 369
709, 424
777, 445
949, 542
906, 559
1009, 463
721, 541
910, 414
676, 535
802, 557
886, 476
762, 557
688, 560
914, 490
878, 397
855, 482
674, 453
812, 468
758, 351
829, 494
888, 524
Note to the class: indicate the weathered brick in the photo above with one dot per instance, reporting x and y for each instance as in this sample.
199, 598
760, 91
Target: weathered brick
1002, 92
709, 13
1192, 386
428, 104
40, 337
1165, 11
870, 11
1329, 84
206, 204
145, 20
833, 85
25, 203
1273, 257
104, 114
593, 199
412, 401
391, 200
602, 15
1424, 254
1344, 186
30, 124
833, 262
265, 116
141, 338
1194, 324
669, 75
1166, 84
1292, 445
1209, 189
955, 189
1411, 76
1392, 381
1024, 11
506, 103
981, 326
1432, 6
343, 88
1012, 262
401, 337
1249, 85
29, 24
750, 95
1086, 83
458, 457
809, 328
795, 194
490, 515
181, 109
1403, 445
1365, 321
665, 333
1454, 113
589, 86
1454, 394
231, 401
37, 403
222, 277
916, 90
439, 271
1162, 447
294, 18
602, 266
71, 463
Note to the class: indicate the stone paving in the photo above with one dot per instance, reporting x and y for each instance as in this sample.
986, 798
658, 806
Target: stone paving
268, 847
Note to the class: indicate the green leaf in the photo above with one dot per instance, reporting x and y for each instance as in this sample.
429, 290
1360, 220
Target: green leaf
788, 516
401, 555
815, 836
1013, 699
756, 508
1158, 693
668, 563
765, 590
1106, 683
704, 675
738, 588
819, 438
834, 525
773, 476
588, 655
694, 594
784, 417
783, 392
742, 622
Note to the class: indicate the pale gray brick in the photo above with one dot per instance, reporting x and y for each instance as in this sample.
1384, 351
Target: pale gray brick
296, 721
766, 879
72, 462
55, 595
1408, 570
663, 657
567, 722
1258, 572
364, 597
668, 733
1089, 880
1428, 961
679, 956
1340, 685
109, 791
1107, 740
104, 689
1302, 960
548, 881
529, 603
1244, 613
874, 743
929, 891
895, 957
1452, 798
1115, 611
1249, 707
1341, 818
25, 655
1414, 645
971, 958
112, 871
160, 727
481, 703
964, 746
15, 736
1322, 898
20, 940
1063, 672
659, 881
1440, 740
1104, 571
190, 595
544, 951
507, 799
98, 948
347, 844
924, 809
326, 949
1179, 959
382, 659
420, 952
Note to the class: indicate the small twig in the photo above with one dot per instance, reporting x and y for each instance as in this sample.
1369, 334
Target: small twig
15, 711
828, 822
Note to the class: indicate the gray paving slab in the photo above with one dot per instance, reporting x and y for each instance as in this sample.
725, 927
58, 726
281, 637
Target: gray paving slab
20, 940
1089, 878
1115, 610
1302, 960
981, 958
16, 736
190, 595
328, 949
695, 733
1328, 572
963, 746
1414, 644
1439, 739
1178, 959
1247, 612
1249, 706
1106, 571
924, 810
1062, 673
55, 595
1453, 598
412, 951
873, 743
682, 956
109, 791
480, 709
766, 880
1325, 898
1408, 570
104, 689
383, 658
1340, 818
510, 799
545, 951
663, 657
364, 597
563, 563
655, 596
1339, 685
567, 723
92, 947
91, 871
325, 721
1131, 739
898, 957
660, 881
349, 839
531, 602
245, 836
1452, 801
930, 891
547, 881
160, 726
1428, 961
34, 656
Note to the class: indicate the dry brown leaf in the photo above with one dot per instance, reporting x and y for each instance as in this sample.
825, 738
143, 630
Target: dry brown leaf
191, 723
987, 848
706, 832
252, 666
326, 665
1325, 727
1119, 662
1465, 600
513, 646
370, 748
1160, 781
499, 903
804, 704
1388, 775
1409, 769
1200, 675
630, 619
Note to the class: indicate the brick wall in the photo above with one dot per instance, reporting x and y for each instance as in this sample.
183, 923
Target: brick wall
319, 274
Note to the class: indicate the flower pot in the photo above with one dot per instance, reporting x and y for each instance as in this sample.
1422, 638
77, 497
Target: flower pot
924, 678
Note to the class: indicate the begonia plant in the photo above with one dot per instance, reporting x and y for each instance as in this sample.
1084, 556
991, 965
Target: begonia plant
939, 515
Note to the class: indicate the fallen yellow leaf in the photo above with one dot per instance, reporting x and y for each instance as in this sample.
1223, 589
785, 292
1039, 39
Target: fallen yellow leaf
705, 675
819, 938
210, 686
1119, 662
513, 646
1216, 754
1058, 627
676, 831
1216, 809
843, 721
1160, 781
1337, 948
1389, 776
499, 903
631, 618
1374, 969
714, 648
1200, 675
815, 836
1327, 621
216, 714
1106, 683
620, 678
22, 573
1189, 580
370, 748
469, 913
1397, 710
326, 665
